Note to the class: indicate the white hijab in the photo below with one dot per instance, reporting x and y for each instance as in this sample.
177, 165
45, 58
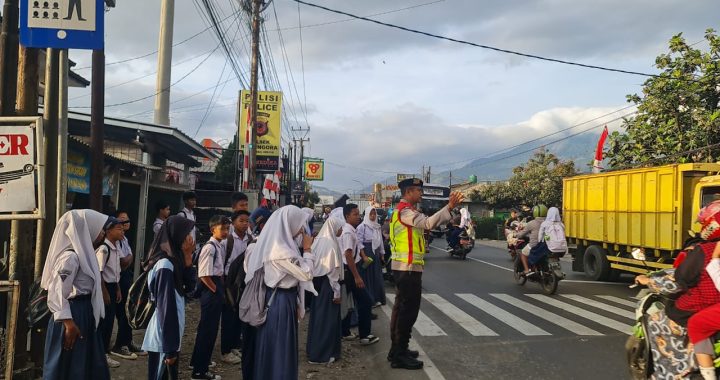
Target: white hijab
374, 226
277, 242
327, 249
76, 230
553, 216
464, 217
337, 212
310, 214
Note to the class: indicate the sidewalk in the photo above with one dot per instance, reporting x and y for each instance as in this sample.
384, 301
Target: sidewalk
357, 363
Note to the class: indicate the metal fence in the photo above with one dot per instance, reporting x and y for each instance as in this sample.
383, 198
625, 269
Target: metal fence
7, 332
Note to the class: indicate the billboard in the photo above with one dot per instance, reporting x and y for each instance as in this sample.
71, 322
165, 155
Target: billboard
314, 169
21, 162
402, 177
269, 116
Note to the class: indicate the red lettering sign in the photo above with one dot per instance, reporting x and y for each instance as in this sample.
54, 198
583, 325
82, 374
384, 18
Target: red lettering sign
14, 145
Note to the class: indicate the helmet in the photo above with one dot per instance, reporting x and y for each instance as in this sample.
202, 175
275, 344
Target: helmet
540, 211
709, 219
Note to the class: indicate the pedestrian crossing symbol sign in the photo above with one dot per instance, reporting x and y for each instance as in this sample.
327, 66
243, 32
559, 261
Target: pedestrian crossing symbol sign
63, 24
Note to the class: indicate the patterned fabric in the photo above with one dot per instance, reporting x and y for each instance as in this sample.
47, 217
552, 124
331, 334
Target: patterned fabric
671, 357
709, 218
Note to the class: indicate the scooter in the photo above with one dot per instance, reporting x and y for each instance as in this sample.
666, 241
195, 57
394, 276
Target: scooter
637, 348
547, 273
465, 246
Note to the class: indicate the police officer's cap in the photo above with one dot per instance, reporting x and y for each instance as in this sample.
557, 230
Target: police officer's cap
410, 182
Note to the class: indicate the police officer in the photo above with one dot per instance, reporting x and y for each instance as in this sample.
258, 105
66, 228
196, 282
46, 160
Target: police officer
406, 235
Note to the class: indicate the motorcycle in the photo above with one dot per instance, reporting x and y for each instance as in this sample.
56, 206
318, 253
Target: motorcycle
465, 246
638, 351
547, 273
515, 245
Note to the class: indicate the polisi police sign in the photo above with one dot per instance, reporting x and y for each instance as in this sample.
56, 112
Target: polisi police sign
20, 167
62, 24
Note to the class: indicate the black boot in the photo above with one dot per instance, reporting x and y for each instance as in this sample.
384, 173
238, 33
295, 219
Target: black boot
412, 353
405, 361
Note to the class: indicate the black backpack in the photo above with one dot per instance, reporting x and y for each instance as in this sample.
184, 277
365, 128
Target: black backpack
139, 307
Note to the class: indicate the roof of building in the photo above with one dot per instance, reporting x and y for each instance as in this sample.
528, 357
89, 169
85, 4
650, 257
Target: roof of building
165, 141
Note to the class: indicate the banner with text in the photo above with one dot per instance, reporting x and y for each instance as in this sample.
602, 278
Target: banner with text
268, 128
17, 168
314, 170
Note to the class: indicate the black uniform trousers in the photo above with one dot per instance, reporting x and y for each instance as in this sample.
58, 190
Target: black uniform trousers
211, 306
406, 308
108, 321
124, 334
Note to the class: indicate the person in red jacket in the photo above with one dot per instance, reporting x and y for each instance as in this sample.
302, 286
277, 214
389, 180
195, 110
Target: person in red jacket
696, 292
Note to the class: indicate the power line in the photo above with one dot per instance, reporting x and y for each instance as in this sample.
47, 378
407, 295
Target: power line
488, 47
488, 155
549, 143
155, 51
158, 92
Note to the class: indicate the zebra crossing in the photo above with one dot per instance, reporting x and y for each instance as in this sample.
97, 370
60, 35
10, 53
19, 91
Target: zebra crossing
526, 315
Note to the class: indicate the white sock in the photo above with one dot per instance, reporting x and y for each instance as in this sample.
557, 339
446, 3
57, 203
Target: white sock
708, 373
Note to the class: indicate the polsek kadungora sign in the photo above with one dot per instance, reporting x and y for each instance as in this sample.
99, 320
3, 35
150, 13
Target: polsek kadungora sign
21, 168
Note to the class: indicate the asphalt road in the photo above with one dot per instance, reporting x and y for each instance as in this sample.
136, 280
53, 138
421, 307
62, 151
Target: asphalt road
476, 323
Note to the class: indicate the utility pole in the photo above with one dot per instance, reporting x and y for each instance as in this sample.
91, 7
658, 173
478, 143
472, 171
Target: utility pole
97, 124
22, 232
9, 42
162, 99
257, 6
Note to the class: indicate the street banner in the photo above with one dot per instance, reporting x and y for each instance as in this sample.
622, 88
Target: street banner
20, 165
269, 118
314, 170
298, 188
78, 174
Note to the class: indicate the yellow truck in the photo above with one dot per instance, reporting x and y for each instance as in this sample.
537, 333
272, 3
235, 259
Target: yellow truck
635, 220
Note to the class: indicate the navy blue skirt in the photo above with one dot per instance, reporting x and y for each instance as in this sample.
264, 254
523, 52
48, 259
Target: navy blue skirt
276, 345
87, 358
324, 329
373, 277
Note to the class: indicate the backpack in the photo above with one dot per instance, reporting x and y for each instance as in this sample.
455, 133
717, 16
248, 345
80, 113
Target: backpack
139, 307
252, 306
555, 238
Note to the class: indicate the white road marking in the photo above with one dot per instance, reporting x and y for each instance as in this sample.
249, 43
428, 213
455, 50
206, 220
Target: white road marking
472, 325
613, 324
432, 372
491, 264
619, 300
509, 319
601, 306
547, 315
424, 325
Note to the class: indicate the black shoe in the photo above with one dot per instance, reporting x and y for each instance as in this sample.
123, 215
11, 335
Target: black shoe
412, 353
404, 361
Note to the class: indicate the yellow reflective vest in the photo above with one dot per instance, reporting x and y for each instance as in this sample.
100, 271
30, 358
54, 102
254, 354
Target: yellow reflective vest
408, 242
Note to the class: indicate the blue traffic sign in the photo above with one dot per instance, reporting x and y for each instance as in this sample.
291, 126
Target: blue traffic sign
62, 24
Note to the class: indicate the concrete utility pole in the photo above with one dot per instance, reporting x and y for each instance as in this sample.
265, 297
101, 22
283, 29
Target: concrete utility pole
22, 232
162, 97
97, 124
9, 41
256, 5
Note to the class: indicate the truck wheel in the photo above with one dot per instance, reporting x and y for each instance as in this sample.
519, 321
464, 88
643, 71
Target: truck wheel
596, 264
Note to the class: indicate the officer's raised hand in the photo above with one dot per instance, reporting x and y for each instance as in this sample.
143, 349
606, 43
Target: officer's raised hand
455, 198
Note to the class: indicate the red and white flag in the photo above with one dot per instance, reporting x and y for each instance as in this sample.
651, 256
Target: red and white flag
599, 152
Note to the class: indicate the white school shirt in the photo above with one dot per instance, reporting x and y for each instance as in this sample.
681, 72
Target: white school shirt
109, 262
68, 281
157, 225
349, 241
125, 249
212, 259
288, 273
239, 247
190, 215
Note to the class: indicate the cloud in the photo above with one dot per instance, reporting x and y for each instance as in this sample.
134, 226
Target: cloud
403, 139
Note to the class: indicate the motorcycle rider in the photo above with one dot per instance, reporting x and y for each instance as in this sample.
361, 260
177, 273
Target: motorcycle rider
531, 234
696, 288
453, 234
514, 217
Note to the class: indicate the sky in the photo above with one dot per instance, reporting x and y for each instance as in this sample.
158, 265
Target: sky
380, 101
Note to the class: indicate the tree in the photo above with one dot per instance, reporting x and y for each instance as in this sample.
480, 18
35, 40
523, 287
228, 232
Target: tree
537, 181
225, 169
678, 116
311, 198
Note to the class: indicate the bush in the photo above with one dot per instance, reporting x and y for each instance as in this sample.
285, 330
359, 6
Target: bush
487, 228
